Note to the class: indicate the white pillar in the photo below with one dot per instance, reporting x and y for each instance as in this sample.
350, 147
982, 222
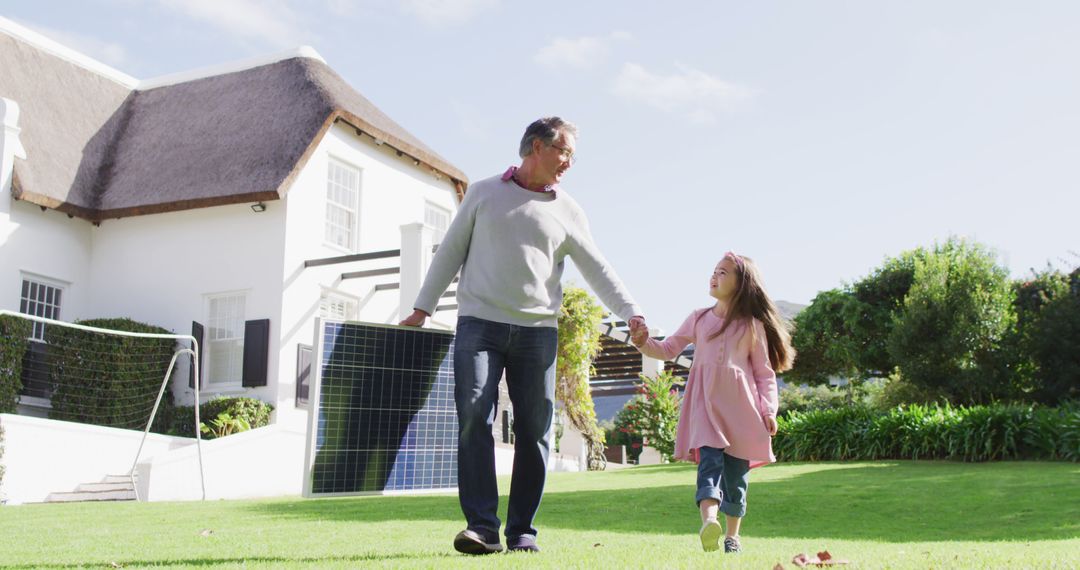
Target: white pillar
416, 243
10, 146
651, 366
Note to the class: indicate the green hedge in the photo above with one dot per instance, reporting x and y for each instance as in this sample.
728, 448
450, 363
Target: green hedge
14, 335
109, 380
978, 433
1, 453
255, 412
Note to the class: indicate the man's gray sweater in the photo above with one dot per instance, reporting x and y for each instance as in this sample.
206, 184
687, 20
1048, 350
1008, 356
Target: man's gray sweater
510, 245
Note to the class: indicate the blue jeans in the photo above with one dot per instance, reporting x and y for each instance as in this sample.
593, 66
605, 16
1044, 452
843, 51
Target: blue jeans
483, 350
723, 478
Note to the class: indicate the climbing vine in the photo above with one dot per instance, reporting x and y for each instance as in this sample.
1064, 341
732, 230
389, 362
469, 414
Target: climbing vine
579, 343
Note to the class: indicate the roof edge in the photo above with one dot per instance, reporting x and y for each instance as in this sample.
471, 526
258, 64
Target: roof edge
98, 216
457, 178
307, 52
55, 48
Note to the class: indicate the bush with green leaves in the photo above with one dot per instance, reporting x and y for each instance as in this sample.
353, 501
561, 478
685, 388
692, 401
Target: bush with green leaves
652, 415
1, 453
1047, 335
976, 433
14, 335
579, 343
955, 318
108, 380
238, 412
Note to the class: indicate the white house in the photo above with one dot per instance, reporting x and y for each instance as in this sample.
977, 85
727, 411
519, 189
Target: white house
237, 203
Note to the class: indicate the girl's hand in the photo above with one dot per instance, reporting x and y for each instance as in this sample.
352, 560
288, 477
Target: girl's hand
639, 336
770, 424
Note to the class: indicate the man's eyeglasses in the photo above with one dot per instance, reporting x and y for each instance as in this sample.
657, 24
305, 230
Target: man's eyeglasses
565, 154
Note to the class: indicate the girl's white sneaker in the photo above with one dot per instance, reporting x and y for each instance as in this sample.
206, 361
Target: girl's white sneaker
710, 535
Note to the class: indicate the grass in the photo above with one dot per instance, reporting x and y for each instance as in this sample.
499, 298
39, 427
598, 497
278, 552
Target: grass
894, 514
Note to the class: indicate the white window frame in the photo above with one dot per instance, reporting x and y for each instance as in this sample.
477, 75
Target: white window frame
352, 305
213, 344
332, 205
438, 233
37, 332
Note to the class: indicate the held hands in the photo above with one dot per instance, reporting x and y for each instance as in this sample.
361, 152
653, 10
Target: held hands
639, 331
770, 424
416, 319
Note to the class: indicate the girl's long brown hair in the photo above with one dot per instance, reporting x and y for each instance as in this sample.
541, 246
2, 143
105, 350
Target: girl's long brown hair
750, 301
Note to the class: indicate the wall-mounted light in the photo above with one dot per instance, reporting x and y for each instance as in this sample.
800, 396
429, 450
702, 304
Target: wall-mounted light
258, 207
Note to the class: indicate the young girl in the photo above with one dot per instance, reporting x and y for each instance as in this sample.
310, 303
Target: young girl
728, 412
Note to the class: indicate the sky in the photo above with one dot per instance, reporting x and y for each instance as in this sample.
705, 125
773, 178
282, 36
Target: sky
817, 137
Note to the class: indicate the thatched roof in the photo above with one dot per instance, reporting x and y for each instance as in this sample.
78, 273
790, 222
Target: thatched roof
98, 149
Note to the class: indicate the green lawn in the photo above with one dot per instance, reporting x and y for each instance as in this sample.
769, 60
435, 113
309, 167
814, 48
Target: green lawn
891, 514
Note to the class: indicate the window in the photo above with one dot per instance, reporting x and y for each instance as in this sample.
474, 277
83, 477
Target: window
336, 307
342, 203
303, 374
225, 339
40, 299
437, 218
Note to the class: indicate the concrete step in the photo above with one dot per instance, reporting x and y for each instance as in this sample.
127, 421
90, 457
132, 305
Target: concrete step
101, 487
124, 495
117, 479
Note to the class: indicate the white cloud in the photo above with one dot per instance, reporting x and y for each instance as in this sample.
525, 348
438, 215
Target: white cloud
267, 21
442, 13
110, 53
689, 92
582, 53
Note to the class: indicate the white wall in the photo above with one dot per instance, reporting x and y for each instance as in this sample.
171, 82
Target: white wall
45, 245
393, 192
159, 268
264, 462
49, 456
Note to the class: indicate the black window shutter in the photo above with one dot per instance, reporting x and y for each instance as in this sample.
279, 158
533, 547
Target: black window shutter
197, 332
256, 351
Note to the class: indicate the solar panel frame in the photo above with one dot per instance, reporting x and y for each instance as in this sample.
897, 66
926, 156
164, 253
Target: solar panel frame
419, 383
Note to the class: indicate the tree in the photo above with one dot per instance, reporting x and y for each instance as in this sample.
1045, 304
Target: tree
1048, 314
579, 343
823, 342
878, 299
954, 320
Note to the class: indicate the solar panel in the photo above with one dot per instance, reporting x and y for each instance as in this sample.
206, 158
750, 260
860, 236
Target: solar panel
382, 410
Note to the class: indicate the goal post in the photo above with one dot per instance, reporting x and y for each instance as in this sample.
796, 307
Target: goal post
105, 376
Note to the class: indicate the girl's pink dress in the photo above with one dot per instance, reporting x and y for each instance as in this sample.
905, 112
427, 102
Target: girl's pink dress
731, 387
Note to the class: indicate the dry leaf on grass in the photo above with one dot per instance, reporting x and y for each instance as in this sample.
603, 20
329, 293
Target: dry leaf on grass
821, 559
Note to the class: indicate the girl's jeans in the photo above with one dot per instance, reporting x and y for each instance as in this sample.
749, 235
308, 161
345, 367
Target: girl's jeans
723, 478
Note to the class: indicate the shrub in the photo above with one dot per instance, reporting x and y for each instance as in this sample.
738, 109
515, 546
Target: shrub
954, 320
797, 398
108, 380
1, 453
14, 335
618, 434
237, 412
652, 415
977, 433
579, 343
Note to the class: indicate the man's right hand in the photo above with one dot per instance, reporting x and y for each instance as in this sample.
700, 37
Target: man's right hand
416, 319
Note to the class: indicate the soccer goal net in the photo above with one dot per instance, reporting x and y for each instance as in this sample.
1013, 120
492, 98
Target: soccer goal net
113, 373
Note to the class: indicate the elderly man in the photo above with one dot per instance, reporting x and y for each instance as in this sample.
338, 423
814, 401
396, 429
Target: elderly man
510, 239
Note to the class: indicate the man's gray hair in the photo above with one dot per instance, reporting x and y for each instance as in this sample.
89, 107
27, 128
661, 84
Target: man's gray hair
547, 131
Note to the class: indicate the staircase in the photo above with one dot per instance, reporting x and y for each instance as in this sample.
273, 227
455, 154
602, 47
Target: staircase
112, 488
